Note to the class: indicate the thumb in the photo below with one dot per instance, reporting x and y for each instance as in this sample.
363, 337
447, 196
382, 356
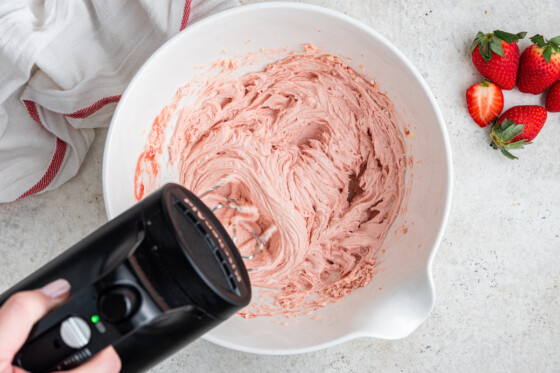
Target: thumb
22, 310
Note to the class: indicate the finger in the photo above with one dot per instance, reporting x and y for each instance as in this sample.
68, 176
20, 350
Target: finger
8, 368
22, 310
106, 361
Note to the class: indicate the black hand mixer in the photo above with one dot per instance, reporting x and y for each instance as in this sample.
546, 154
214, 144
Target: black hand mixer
148, 282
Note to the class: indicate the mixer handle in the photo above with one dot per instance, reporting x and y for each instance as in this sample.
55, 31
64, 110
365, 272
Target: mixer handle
92, 319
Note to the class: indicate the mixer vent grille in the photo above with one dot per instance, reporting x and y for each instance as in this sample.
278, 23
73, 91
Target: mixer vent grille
210, 241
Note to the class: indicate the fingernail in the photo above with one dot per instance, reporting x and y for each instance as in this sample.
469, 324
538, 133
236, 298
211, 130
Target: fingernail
56, 288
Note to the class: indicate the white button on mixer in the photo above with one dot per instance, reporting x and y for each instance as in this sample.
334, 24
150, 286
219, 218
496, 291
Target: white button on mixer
75, 332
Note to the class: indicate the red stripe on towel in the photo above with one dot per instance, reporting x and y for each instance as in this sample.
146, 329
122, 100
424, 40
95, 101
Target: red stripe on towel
186, 14
32, 110
57, 158
86, 112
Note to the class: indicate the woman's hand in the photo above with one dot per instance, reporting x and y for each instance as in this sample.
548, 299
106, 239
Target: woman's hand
23, 309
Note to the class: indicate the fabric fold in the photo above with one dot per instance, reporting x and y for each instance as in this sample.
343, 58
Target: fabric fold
63, 67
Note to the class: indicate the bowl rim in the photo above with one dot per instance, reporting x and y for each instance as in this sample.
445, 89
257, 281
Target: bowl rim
428, 275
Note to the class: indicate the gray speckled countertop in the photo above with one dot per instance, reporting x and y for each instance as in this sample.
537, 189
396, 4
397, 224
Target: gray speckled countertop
496, 272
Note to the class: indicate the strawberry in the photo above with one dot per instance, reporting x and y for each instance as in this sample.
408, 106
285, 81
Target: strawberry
517, 127
497, 56
485, 102
553, 98
539, 66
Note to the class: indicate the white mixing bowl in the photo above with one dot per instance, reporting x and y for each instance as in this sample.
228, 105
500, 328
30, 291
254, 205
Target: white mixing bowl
401, 295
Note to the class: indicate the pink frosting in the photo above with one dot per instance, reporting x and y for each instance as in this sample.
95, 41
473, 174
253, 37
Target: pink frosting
314, 151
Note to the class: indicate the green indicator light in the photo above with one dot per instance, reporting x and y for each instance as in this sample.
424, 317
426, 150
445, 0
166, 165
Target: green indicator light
95, 319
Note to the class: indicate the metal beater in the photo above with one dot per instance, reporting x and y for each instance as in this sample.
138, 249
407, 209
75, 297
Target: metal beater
260, 240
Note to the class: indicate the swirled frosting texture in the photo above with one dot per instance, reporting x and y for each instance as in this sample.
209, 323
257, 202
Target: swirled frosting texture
315, 150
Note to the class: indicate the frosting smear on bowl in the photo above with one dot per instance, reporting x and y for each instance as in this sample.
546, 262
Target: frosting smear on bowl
314, 152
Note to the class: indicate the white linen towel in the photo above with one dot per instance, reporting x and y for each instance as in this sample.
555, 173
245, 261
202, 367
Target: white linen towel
63, 66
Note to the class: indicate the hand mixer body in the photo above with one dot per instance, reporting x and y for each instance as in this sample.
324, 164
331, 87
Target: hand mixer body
148, 282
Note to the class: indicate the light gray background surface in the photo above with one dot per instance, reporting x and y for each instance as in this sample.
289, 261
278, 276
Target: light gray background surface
497, 270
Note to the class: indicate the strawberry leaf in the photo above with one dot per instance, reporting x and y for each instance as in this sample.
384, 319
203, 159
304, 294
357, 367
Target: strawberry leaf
539, 40
508, 154
518, 144
503, 133
511, 132
496, 46
509, 38
547, 53
477, 40
505, 36
497, 132
555, 40
550, 46
485, 51
507, 123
